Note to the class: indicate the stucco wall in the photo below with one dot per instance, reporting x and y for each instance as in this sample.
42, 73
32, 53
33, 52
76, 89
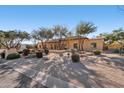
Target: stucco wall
99, 44
85, 43
71, 43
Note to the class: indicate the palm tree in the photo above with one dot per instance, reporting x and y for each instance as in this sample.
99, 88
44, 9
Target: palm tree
60, 32
83, 29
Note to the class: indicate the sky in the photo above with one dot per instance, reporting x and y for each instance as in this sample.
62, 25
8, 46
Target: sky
28, 18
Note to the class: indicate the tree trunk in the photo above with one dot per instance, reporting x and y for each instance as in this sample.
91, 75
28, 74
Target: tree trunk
79, 43
42, 44
82, 44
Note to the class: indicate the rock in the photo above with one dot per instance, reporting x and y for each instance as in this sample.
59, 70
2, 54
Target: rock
45, 58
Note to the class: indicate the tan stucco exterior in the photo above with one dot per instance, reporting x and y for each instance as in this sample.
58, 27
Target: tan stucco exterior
85, 44
99, 44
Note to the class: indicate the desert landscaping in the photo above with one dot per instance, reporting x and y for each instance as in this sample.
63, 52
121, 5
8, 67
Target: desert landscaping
58, 70
62, 52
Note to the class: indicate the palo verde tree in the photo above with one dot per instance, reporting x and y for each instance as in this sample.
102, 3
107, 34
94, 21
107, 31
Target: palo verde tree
116, 35
42, 34
13, 38
60, 32
83, 29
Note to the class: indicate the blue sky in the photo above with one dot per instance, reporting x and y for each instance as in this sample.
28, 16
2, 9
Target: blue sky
27, 18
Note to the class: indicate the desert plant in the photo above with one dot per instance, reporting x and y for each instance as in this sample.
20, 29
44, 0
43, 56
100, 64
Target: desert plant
13, 56
33, 51
116, 51
109, 63
60, 54
39, 54
73, 51
26, 52
97, 52
68, 54
75, 57
46, 51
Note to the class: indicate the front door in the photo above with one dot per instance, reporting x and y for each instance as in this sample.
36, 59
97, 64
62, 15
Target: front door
75, 45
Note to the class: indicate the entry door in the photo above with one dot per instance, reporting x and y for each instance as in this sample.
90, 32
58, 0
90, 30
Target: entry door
75, 45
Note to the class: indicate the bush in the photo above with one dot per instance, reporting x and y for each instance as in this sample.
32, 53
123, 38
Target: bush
97, 52
33, 51
46, 51
26, 52
60, 54
109, 63
116, 51
13, 56
39, 54
75, 57
73, 51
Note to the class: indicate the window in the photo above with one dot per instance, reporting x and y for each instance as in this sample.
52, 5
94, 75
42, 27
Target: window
93, 45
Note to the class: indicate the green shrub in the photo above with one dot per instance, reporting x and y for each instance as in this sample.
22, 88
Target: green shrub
13, 56
97, 52
109, 63
116, 51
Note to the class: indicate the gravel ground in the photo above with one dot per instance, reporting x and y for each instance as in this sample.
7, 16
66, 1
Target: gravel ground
105, 71
12, 79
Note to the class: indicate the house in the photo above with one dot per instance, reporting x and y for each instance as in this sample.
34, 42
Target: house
73, 42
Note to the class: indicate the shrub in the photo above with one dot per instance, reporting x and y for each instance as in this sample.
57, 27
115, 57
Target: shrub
39, 54
26, 52
33, 51
116, 51
73, 51
109, 63
61, 54
13, 56
97, 52
46, 51
75, 57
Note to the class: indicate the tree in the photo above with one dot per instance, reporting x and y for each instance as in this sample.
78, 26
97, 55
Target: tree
49, 34
29, 46
60, 32
38, 35
42, 34
13, 38
116, 35
83, 29
115, 39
